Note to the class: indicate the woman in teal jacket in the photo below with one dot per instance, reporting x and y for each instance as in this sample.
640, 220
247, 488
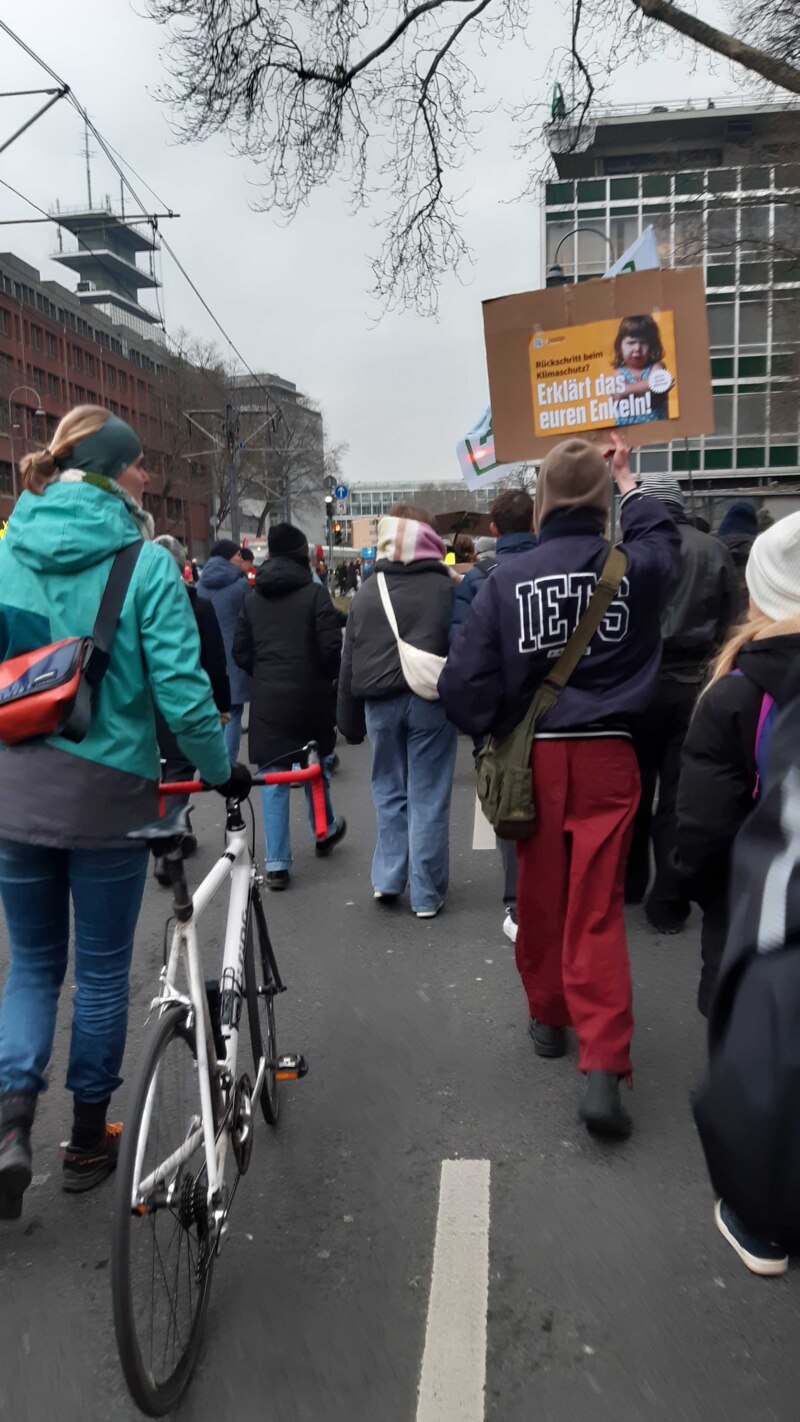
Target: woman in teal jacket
66, 809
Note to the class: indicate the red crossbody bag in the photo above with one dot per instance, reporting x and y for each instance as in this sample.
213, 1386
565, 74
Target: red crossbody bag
49, 691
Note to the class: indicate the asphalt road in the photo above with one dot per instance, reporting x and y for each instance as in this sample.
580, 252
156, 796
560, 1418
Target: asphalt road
611, 1296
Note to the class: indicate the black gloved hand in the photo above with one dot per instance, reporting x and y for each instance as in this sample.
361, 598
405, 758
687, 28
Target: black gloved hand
239, 784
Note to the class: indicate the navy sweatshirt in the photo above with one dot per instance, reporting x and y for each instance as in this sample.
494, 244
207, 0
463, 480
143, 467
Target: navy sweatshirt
526, 611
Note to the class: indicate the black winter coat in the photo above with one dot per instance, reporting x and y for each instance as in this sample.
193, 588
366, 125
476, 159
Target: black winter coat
718, 780
290, 642
214, 664
422, 597
702, 606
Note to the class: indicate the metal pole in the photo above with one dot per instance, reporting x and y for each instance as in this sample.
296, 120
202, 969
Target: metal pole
287, 498
233, 489
37, 115
13, 465
691, 477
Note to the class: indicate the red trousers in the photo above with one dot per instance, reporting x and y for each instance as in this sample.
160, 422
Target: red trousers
571, 950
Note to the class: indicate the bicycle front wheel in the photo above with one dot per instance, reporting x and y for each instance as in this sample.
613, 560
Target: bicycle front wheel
261, 988
162, 1253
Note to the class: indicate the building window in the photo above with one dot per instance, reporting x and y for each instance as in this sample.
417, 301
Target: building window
89, 364
6, 481
53, 386
77, 357
721, 323
51, 345
5, 324
123, 382
751, 413
174, 510
723, 415
752, 324
80, 393
36, 337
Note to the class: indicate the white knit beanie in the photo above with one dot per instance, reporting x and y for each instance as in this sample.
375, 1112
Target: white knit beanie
773, 569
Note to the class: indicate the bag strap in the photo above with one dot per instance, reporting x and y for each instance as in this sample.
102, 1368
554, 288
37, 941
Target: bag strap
549, 690
108, 613
387, 606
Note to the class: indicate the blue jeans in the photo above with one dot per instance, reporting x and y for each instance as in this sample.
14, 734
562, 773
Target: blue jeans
275, 804
233, 732
106, 886
413, 759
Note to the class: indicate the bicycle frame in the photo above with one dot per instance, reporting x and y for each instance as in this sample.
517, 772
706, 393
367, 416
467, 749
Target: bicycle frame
214, 1072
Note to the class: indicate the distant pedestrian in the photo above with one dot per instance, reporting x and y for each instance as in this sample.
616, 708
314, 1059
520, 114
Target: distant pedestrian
738, 531
512, 529
174, 764
289, 641
694, 624
413, 743
728, 739
570, 949
224, 582
351, 578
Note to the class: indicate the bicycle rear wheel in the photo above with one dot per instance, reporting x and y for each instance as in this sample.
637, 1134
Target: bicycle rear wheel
162, 1254
261, 989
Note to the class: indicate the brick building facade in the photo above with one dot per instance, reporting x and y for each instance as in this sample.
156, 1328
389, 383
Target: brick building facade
69, 354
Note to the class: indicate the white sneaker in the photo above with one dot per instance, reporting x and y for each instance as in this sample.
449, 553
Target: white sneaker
429, 913
510, 926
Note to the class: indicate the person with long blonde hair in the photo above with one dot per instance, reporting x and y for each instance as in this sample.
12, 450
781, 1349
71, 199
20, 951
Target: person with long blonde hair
68, 805
726, 751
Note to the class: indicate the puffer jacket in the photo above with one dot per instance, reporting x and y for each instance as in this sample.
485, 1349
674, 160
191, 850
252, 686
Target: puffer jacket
226, 587
289, 640
54, 564
422, 597
702, 607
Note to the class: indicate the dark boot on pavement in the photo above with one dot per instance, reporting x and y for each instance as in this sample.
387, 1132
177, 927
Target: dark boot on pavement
324, 846
277, 879
91, 1153
667, 916
601, 1109
17, 1109
547, 1041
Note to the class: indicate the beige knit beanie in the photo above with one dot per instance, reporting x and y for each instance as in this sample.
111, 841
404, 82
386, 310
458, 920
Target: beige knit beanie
773, 569
573, 475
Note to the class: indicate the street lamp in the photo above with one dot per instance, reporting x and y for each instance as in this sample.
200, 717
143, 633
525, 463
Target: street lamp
555, 273
37, 412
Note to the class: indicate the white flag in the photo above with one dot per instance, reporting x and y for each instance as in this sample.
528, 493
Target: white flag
642, 255
475, 452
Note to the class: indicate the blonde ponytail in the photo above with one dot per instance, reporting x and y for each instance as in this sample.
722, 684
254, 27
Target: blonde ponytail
755, 628
37, 469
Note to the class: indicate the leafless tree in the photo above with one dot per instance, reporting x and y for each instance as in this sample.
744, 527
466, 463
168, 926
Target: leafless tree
387, 95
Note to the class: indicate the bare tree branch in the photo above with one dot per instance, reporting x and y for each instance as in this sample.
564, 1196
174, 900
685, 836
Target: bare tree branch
776, 70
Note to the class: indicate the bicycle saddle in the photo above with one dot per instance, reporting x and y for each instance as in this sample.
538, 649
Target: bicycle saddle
173, 825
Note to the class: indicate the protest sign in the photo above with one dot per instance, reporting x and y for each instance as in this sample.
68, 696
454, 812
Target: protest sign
628, 351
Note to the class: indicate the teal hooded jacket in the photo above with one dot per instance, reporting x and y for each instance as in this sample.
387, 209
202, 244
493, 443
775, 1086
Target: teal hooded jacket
54, 563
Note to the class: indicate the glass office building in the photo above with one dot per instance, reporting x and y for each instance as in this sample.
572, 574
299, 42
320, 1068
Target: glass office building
721, 186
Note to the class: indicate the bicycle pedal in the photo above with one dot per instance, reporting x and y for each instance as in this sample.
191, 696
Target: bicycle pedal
291, 1067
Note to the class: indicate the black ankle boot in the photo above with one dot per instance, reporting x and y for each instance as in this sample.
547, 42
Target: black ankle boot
17, 1110
601, 1109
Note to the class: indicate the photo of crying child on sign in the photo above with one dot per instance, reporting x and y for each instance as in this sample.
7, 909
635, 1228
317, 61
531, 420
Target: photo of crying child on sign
604, 374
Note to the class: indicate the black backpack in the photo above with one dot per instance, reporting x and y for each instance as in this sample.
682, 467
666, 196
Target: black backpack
748, 1109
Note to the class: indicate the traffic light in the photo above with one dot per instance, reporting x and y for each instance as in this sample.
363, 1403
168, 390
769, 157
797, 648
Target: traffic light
337, 534
329, 501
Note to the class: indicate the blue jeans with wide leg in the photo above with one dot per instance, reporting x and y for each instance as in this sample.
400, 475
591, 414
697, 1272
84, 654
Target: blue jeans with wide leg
413, 759
106, 888
275, 804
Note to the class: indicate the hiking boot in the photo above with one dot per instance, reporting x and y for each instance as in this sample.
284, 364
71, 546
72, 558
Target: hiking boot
160, 871
601, 1109
16, 1170
324, 846
667, 916
277, 879
547, 1041
760, 1255
86, 1166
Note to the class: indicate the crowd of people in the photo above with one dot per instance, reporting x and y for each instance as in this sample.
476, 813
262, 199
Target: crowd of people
649, 759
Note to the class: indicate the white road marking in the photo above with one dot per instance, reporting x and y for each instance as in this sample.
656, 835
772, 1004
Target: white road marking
453, 1378
483, 836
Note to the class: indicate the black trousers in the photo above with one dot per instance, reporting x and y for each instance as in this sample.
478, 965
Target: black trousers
658, 741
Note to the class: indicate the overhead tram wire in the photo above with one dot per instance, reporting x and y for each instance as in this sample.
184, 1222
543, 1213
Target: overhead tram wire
110, 155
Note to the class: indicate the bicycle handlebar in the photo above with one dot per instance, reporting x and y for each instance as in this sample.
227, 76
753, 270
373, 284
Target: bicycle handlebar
306, 774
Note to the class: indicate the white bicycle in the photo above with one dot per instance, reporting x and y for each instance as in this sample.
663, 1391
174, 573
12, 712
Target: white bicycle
189, 1101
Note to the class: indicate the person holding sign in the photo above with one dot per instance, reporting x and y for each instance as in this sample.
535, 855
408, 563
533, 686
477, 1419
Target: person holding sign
571, 951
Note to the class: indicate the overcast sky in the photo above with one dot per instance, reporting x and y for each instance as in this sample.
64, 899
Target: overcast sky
400, 391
